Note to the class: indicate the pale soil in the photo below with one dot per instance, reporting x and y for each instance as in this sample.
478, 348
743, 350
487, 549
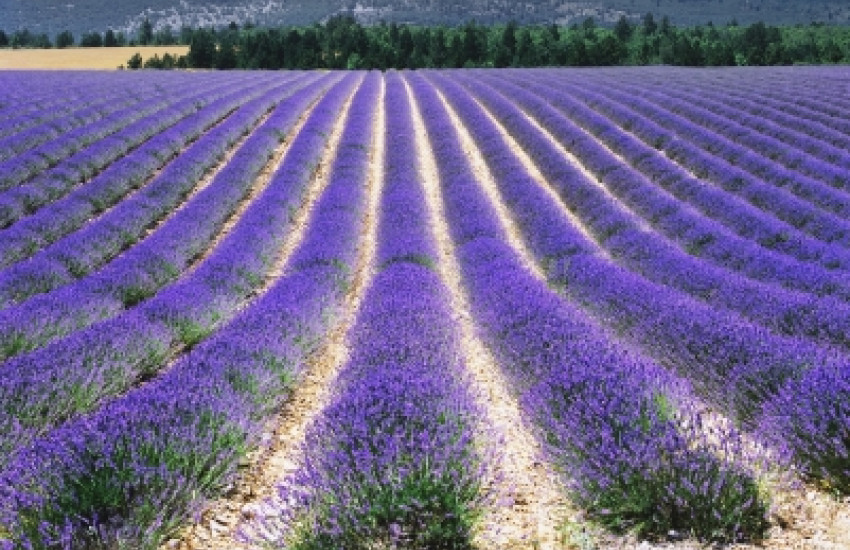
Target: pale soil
255, 488
531, 505
81, 58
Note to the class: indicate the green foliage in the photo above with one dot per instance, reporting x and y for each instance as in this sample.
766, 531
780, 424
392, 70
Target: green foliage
64, 39
342, 42
109, 485
192, 332
395, 512
697, 496
135, 62
91, 40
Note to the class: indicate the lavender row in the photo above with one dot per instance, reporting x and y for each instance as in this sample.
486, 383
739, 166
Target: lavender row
23, 208
754, 374
21, 168
157, 259
822, 108
620, 428
701, 237
709, 346
29, 99
54, 183
156, 453
809, 156
154, 183
79, 154
105, 104
785, 193
620, 234
745, 220
809, 416
76, 374
818, 117
774, 135
390, 460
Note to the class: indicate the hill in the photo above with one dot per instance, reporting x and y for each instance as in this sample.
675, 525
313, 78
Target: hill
79, 16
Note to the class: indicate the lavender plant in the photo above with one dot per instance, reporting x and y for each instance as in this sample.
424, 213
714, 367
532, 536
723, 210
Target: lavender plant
702, 237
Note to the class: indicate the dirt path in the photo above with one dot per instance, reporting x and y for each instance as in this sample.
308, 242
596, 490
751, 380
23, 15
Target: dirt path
535, 504
257, 483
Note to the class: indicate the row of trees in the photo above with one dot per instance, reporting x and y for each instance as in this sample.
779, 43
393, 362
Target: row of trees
342, 42
24, 38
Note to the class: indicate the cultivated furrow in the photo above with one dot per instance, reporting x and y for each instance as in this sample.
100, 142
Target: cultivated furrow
536, 504
222, 520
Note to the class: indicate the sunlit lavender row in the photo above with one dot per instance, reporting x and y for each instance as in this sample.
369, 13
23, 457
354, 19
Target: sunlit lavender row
657, 259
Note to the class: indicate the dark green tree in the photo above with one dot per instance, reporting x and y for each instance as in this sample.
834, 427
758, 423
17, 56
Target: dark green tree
165, 37
649, 24
832, 52
311, 50
687, 52
576, 52
225, 57
64, 39
474, 44
404, 51
202, 50
551, 50
91, 40
623, 30
146, 33
526, 52
439, 48
135, 62
4, 39
456, 57
22, 38
109, 39
42, 41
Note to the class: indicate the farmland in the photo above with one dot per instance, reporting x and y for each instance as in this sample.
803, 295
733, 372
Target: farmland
81, 58
425, 309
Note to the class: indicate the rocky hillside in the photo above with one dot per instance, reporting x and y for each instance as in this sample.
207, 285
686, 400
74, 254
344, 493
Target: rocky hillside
79, 16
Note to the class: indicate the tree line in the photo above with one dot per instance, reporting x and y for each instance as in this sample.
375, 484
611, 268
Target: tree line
343, 43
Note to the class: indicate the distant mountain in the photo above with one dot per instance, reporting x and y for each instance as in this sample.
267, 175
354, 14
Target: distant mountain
78, 16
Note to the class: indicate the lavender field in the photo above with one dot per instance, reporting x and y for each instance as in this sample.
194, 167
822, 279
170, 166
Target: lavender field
539, 308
